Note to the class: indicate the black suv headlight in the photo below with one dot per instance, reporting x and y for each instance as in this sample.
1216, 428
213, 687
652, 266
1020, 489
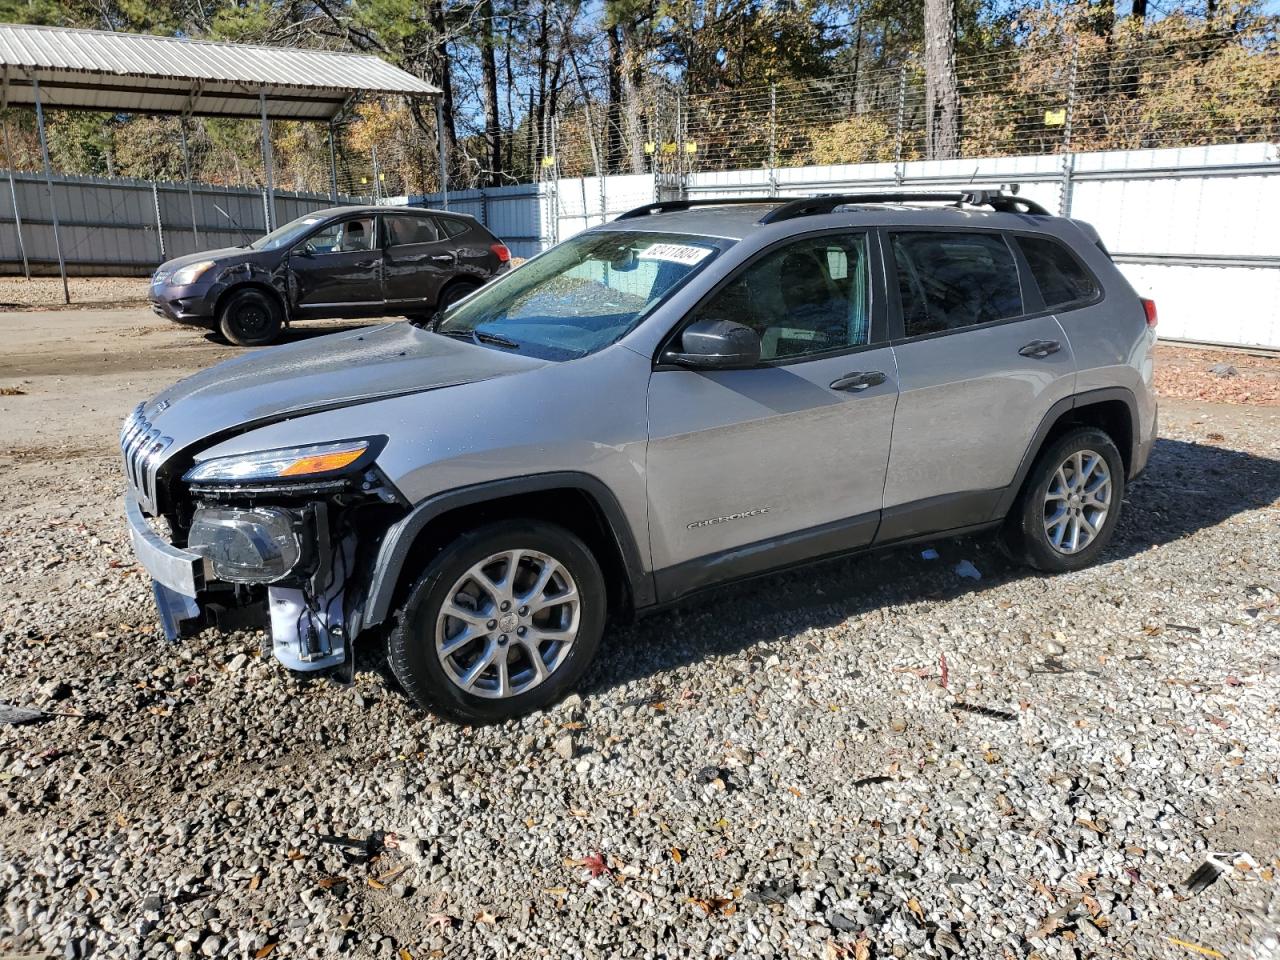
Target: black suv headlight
248, 545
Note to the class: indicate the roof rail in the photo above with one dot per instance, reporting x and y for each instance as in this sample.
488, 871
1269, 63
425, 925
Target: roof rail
670, 206
826, 203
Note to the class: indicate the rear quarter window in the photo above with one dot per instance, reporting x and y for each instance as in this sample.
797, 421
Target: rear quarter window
1062, 278
451, 228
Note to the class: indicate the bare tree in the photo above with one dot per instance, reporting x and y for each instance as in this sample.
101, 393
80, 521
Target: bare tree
941, 91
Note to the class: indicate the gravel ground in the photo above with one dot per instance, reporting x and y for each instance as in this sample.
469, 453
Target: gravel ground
865, 759
41, 293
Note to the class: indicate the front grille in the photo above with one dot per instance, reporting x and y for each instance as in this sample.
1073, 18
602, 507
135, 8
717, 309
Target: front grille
143, 449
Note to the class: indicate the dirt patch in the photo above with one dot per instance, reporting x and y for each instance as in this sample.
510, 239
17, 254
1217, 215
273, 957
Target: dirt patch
1219, 376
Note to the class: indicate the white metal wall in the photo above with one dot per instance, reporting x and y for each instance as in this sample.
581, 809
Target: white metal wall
1197, 229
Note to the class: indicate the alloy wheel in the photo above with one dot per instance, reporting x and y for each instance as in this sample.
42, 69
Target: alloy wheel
1077, 501
508, 624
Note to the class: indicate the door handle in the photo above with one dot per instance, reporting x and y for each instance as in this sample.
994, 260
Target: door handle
443, 258
1040, 348
366, 263
858, 381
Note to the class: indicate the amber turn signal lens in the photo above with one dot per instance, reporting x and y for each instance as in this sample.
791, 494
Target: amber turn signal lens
323, 463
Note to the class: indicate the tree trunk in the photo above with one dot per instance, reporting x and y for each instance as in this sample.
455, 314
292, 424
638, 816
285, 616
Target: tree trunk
613, 113
489, 74
442, 75
632, 98
941, 91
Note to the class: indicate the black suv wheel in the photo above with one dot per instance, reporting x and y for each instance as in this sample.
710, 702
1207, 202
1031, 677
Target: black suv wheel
503, 621
1070, 503
250, 318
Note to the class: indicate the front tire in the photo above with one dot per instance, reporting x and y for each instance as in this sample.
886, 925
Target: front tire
250, 318
1070, 503
504, 621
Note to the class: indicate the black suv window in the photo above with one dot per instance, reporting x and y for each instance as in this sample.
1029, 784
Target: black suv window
404, 230
451, 228
952, 280
345, 236
808, 297
1062, 278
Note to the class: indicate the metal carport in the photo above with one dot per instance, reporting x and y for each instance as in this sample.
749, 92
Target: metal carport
71, 69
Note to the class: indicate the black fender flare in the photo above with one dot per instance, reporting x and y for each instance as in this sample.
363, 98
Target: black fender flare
401, 535
1055, 413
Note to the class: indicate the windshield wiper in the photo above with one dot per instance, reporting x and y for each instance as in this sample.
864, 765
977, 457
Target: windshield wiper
477, 336
495, 340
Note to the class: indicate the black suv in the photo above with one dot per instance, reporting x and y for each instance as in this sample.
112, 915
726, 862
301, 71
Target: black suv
339, 262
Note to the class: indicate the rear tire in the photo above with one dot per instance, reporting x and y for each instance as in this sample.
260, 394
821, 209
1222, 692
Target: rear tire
455, 291
250, 318
1070, 503
552, 608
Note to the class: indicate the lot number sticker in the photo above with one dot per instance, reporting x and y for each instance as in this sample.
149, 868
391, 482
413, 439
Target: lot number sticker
674, 252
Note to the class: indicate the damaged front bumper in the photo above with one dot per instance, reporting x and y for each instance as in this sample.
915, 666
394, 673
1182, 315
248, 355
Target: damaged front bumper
308, 630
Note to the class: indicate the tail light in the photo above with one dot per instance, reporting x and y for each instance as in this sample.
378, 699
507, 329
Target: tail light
1150, 307
504, 255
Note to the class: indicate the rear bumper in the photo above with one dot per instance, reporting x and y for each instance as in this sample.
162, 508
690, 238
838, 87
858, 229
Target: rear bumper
1145, 445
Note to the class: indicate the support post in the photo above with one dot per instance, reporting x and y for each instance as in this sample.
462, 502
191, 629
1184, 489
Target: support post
899, 172
48, 180
444, 157
186, 175
773, 139
1068, 158
377, 183
13, 195
155, 203
333, 167
268, 161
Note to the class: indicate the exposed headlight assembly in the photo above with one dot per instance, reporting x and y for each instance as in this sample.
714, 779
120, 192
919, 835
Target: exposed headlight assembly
257, 545
288, 464
190, 273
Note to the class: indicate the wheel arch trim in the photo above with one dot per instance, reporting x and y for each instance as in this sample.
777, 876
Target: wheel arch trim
1055, 413
400, 538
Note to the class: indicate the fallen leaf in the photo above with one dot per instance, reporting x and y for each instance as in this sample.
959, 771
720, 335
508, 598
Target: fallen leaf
441, 921
487, 916
676, 855
862, 949
255, 881
294, 855
328, 883
264, 951
1091, 825
914, 906
710, 905
555, 891
795, 791
404, 954
573, 725
375, 884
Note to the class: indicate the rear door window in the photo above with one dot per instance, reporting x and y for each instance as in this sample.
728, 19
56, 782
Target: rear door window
1061, 277
405, 230
949, 280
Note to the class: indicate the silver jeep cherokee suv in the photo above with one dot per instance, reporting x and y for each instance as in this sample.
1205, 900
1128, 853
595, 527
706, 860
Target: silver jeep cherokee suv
693, 393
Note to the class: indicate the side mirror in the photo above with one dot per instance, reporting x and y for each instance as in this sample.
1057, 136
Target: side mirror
716, 345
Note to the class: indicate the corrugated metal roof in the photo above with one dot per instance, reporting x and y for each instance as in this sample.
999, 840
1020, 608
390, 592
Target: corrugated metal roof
99, 70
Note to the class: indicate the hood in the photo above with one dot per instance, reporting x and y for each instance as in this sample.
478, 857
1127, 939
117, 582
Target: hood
338, 370
222, 255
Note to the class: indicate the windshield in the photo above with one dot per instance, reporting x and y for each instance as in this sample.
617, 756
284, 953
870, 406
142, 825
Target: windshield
580, 296
286, 235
